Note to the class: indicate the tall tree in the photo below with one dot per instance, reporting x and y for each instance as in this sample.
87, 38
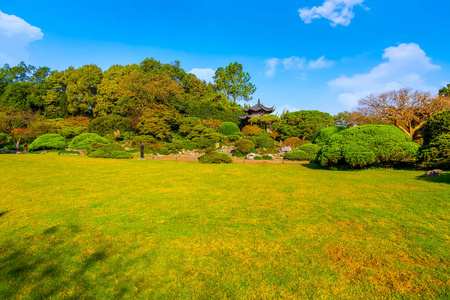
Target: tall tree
445, 91
233, 82
406, 109
15, 122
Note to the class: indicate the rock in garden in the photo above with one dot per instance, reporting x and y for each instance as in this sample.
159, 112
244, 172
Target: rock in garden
284, 150
250, 156
435, 172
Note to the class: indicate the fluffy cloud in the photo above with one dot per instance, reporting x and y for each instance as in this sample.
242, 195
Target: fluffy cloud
296, 63
203, 74
15, 35
405, 66
339, 12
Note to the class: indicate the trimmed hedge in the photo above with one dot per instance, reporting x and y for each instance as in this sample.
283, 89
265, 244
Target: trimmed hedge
85, 141
306, 152
244, 146
368, 145
215, 158
48, 141
110, 151
228, 128
326, 133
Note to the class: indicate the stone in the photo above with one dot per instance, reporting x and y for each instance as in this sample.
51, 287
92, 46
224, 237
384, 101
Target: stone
435, 172
250, 156
285, 149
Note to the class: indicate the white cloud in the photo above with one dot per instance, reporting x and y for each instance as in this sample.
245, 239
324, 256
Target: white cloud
405, 66
296, 63
271, 66
15, 35
203, 74
339, 12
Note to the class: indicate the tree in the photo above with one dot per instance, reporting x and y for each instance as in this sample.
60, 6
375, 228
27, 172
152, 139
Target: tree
406, 109
269, 119
445, 91
233, 82
304, 124
15, 122
342, 119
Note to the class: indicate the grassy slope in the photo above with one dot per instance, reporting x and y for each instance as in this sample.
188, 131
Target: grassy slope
81, 227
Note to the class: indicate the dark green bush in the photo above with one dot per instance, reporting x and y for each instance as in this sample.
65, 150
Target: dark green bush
215, 158
437, 153
4, 138
207, 140
110, 151
306, 152
228, 128
265, 141
325, 134
233, 137
368, 145
70, 132
48, 141
244, 146
304, 124
267, 157
85, 141
257, 158
164, 151
438, 124
109, 124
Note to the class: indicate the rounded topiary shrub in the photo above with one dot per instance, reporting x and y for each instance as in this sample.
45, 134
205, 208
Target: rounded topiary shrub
368, 145
109, 124
251, 130
265, 141
110, 151
215, 158
85, 141
325, 134
306, 152
438, 124
244, 146
48, 141
228, 128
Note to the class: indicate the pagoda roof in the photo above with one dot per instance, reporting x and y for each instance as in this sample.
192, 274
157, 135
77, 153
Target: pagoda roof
259, 106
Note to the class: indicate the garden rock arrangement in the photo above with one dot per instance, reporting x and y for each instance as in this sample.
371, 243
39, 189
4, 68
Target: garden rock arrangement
431, 173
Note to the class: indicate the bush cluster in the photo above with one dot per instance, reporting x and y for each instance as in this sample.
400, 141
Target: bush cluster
326, 133
48, 141
228, 128
368, 145
215, 158
109, 151
306, 152
244, 146
85, 141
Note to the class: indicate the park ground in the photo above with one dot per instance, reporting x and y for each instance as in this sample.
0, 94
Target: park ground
78, 227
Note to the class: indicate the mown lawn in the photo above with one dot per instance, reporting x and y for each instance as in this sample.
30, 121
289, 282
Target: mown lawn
77, 227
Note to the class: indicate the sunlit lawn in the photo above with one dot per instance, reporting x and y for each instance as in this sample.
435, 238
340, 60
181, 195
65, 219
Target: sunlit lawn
77, 227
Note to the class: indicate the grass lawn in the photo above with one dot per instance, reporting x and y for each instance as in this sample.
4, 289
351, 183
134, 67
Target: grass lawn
78, 227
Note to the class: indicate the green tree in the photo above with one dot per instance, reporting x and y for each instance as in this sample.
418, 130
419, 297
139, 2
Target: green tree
233, 82
445, 91
304, 124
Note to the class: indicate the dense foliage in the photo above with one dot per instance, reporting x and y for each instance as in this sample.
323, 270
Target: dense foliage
244, 146
438, 124
85, 141
109, 124
306, 152
368, 145
326, 133
109, 151
48, 141
304, 124
214, 157
228, 128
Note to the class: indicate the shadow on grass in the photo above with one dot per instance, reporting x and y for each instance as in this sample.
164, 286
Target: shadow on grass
314, 167
37, 268
2, 213
445, 178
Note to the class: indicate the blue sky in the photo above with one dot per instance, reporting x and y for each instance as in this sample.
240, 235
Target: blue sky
305, 54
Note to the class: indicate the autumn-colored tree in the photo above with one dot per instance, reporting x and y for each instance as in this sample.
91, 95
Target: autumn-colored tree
159, 121
406, 109
15, 122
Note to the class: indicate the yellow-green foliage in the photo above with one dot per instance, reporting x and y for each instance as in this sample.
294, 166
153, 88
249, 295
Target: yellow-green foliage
83, 228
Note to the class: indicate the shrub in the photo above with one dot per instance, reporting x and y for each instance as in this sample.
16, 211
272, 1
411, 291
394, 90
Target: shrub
228, 128
304, 124
233, 137
257, 158
267, 157
244, 146
293, 142
164, 151
4, 138
438, 124
85, 141
325, 134
251, 130
108, 124
69, 132
137, 140
368, 145
110, 151
215, 158
437, 153
306, 152
48, 141
265, 141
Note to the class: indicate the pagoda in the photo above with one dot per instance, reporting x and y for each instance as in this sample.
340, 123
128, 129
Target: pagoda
257, 110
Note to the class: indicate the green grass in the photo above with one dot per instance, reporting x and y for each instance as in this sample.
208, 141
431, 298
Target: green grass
78, 227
